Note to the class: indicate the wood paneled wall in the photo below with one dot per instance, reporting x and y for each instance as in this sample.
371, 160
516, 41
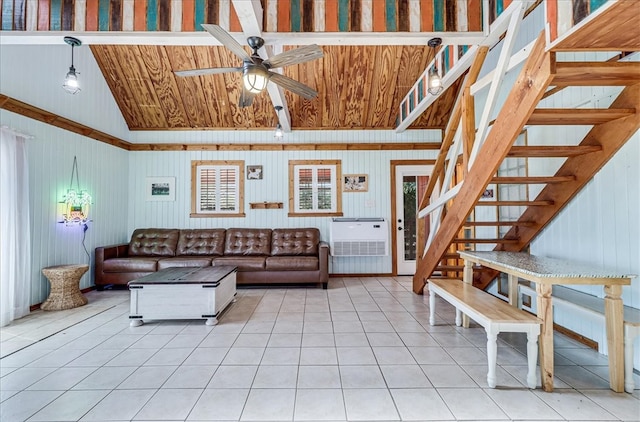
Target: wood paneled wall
273, 187
562, 15
278, 16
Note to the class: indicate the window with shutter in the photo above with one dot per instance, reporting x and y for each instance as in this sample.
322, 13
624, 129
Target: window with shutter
217, 188
314, 188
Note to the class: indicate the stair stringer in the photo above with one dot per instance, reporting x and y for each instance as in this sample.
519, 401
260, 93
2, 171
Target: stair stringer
525, 95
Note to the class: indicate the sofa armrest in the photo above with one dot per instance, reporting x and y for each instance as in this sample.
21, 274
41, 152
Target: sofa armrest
108, 252
323, 262
112, 251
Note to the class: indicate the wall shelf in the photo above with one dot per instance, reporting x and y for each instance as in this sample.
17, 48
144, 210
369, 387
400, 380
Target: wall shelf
265, 205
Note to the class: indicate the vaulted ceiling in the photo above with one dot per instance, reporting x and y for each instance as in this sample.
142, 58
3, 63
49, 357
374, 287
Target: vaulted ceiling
373, 54
359, 87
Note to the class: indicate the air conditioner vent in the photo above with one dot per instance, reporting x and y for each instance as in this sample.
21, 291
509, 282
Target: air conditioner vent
359, 237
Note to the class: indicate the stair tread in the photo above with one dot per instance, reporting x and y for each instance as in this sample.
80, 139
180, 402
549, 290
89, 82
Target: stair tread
532, 179
552, 150
514, 203
577, 116
473, 240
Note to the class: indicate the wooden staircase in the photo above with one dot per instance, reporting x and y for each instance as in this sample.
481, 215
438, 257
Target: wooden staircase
475, 162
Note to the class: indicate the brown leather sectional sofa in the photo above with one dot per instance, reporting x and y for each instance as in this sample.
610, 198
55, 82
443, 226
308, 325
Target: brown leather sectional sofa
263, 256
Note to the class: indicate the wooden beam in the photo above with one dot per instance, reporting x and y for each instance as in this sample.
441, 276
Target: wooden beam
530, 180
577, 116
518, 107
596, 74
286, 147
552, 151
35, 113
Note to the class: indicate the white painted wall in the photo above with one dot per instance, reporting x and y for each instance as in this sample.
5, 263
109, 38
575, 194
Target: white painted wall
103, 171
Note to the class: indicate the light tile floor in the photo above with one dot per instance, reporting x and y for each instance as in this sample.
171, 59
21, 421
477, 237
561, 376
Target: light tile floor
360, 351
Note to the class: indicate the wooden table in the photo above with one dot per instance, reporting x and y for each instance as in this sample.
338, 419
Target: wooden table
65, 287
546, 272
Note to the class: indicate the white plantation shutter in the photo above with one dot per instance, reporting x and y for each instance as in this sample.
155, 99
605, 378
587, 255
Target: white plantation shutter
315, 188
218, 189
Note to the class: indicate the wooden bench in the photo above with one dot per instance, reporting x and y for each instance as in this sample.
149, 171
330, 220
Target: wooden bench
585, 302
494, 315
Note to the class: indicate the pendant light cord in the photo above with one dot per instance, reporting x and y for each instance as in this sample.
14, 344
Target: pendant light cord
74, 171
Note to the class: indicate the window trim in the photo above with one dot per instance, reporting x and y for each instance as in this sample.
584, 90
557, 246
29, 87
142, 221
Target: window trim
194, 188
292, 191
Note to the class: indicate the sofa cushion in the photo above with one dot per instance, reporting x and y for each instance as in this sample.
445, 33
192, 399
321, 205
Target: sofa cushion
130, 265
153, 242
247, 242
292, 263
244, 263
184, 261
201, 242
295, 241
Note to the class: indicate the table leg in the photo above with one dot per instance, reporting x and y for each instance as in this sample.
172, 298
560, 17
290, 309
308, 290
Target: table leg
432, 307
467, 277
513, 290
614, 316
532, 356
545, 313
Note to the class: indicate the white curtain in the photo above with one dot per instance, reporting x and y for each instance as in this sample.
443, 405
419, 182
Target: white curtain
15, 233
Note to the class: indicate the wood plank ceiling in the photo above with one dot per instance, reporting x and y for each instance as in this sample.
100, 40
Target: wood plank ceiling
359, 87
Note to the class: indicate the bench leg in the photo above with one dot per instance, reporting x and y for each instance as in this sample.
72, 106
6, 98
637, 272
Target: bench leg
432, 307
629, 336
458, 317
532, 357
492, 353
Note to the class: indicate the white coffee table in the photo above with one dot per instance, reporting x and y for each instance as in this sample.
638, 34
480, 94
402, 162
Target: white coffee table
182, 293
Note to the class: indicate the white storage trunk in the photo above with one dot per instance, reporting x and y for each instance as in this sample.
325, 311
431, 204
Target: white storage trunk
182, 293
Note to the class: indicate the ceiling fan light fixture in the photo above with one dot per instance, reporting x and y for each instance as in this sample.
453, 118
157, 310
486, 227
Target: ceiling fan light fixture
71, 84
255, 79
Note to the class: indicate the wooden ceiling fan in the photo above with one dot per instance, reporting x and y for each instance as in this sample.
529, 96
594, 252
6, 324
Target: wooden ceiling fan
256, 73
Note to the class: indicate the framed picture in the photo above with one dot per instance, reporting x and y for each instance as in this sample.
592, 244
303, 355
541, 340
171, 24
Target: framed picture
355, 183
161, 188
488, 193
254, 172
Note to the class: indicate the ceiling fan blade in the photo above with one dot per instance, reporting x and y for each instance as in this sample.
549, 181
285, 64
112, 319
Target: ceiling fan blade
227, 40
292, 85
295, 56
246, 98
208, 71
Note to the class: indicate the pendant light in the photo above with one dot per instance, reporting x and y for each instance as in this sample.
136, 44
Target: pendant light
279, 133
71, 80
435, 81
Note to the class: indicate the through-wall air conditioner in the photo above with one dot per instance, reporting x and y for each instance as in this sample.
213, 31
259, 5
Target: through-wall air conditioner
359, 237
